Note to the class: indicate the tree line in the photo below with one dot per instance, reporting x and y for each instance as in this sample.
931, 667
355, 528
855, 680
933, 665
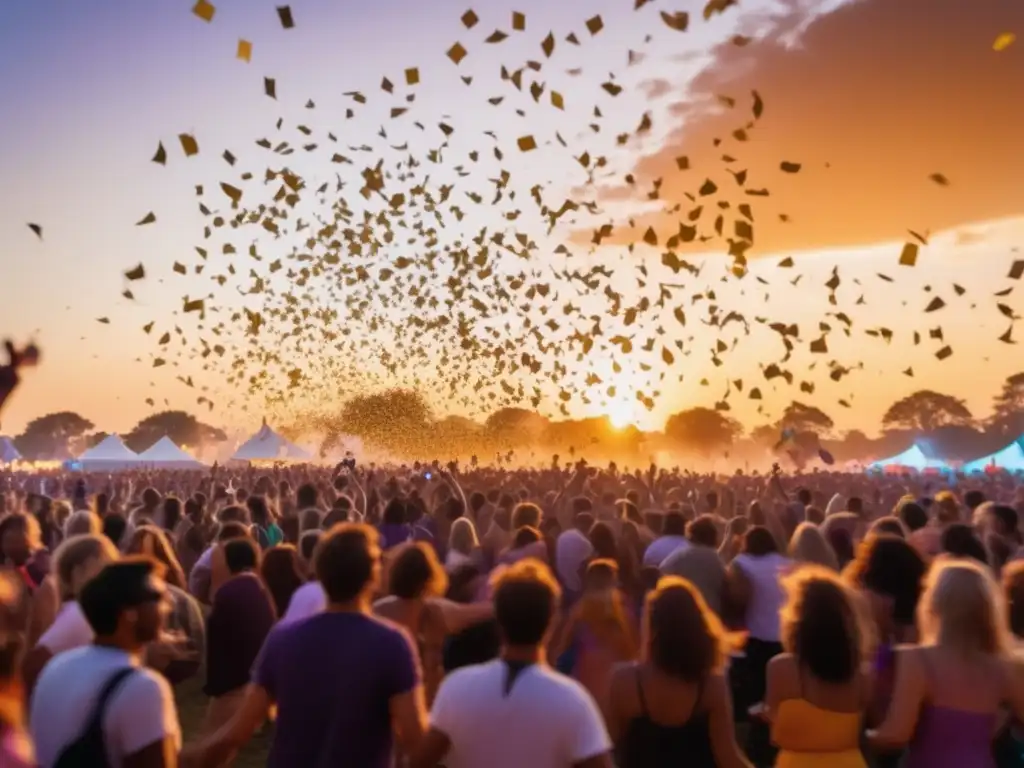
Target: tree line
402, 423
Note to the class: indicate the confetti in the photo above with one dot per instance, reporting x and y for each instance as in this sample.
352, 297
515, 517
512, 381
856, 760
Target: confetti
204, 10
1004, 41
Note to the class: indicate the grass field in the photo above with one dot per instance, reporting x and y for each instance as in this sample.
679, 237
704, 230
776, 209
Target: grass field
192, 710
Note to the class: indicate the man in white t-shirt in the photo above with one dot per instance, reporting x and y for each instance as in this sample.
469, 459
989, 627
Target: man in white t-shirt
516, 712
125, 607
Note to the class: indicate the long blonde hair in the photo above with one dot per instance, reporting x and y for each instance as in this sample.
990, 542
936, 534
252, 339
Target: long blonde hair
462, 537
809, 545
74, 553
963, 608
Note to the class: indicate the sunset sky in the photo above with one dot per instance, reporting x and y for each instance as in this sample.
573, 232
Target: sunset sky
871, 97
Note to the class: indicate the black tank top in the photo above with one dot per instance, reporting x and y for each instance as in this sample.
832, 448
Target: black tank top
649, 745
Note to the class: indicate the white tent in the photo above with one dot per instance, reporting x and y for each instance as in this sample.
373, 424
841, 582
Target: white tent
8, 453
110, 455
1010, 458
267, 445
164, 454
912, 458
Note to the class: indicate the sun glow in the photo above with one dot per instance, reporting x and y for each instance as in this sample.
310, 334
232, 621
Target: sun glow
621, 414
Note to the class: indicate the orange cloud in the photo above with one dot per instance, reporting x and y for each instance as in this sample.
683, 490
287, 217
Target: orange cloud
872, 100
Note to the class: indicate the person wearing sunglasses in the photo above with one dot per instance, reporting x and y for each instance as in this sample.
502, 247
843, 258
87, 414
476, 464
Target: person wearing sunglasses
99, 705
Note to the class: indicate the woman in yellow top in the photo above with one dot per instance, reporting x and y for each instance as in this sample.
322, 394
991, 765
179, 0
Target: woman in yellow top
819, 689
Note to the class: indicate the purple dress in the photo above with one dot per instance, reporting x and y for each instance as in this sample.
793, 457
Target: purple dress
952, 738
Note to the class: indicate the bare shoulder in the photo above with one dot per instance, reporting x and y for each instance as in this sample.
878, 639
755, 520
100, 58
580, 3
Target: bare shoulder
716, 685
782, 666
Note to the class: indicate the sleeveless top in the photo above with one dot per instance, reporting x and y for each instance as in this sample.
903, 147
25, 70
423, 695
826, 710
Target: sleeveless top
952, 738
647, 744
810, 736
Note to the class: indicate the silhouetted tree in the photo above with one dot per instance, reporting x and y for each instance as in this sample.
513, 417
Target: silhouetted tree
925, 411
1008, 414
805, 418
765, 435
510, 427
182, 428
51, 436
703, 429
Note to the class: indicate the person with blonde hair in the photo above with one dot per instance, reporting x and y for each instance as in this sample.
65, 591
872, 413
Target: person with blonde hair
82, 522
599, 632
673, 706
809, 545
76, 561
462, 544
819, 688
950, 689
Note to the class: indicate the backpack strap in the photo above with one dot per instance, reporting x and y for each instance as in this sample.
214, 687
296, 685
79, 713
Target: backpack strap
106, 695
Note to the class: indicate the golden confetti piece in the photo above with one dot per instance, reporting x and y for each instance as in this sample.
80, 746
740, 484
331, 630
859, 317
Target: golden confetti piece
717, 6
470, 19
103, 320
526, 143
457, 53
678, 20
270, 87
908, 258
158, 362
204, 10
233, 192
548, 45
149, 218
412, 76
37, 229
189, 145
1017, 270
244, 51
138, 273
284, 13
788, 167
939, 179
496, 37
595, 25
1004, 41
161, 154
518, 21
556, 100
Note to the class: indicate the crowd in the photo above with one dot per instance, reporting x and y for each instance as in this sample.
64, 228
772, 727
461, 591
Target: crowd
488, 617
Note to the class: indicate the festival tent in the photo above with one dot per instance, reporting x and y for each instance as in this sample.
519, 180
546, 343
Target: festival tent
164, 454
110, 454
1010, 458
267, 445
8, 453
913, 458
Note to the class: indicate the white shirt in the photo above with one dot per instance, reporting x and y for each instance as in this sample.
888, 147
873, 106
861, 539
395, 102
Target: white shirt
140, 712
308, 600
69, 630
456, 559
572, 549
662, 547
766, 596
547, 720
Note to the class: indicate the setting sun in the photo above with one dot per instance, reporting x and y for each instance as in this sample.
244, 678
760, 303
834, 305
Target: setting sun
620, 414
